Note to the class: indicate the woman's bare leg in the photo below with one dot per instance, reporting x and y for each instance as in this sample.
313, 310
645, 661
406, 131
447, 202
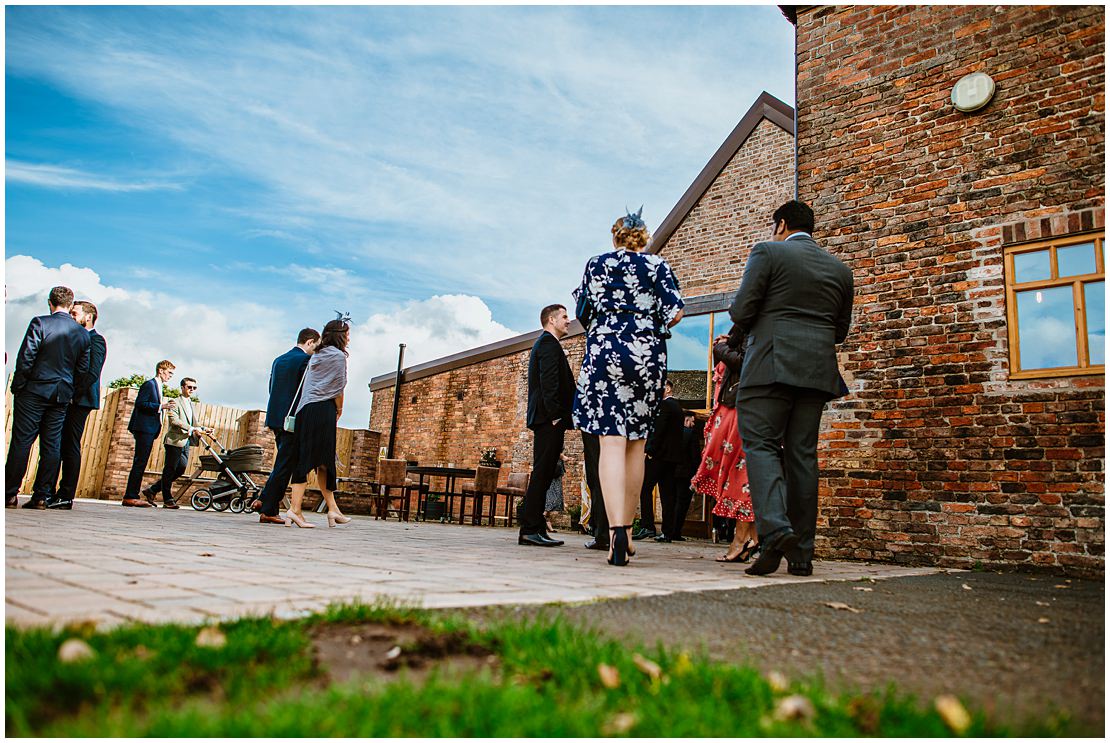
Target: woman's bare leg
611, 473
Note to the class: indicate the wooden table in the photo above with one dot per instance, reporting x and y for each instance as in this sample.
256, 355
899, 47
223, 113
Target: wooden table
450, 476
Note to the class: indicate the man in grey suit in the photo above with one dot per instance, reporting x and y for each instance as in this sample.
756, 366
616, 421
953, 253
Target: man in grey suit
795, 304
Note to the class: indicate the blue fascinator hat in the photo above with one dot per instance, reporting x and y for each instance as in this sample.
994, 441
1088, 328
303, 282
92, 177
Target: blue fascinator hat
633, 221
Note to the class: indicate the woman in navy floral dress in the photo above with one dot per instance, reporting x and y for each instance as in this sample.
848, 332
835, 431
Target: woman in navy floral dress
634, 299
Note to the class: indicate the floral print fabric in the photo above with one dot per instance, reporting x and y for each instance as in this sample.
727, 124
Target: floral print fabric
635, 296
723, 473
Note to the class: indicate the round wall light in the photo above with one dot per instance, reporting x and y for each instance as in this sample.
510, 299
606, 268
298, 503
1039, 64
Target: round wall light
972, 92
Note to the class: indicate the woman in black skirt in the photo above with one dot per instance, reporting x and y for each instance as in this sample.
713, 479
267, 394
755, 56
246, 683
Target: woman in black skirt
318, 413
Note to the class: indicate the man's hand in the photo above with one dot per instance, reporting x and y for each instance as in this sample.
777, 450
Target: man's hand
168, 404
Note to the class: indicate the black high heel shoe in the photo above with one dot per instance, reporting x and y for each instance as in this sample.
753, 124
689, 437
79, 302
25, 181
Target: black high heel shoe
619, 541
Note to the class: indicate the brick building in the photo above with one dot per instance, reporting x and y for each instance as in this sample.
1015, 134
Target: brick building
454, 408
975, 427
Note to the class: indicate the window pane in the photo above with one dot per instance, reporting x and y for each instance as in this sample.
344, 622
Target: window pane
1046, 328
1033, 266
1076, 260
1095, 297
688, 360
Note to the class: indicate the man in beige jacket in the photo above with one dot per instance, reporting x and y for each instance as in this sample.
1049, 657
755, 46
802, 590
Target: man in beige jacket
180, 432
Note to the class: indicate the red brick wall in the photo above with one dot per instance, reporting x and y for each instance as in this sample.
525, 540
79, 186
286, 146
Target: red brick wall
937, 457
707, 249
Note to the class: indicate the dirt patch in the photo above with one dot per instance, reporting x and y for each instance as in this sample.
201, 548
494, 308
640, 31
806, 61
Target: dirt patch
380, 652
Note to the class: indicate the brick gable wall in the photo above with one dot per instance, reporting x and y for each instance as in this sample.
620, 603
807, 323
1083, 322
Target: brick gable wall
937, 456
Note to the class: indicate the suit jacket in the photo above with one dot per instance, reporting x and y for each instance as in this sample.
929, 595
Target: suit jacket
53, 360
147, 417
181, 423
88, 396
285, 377
730, 352
550, 383
664, 443
795, 304
692, 440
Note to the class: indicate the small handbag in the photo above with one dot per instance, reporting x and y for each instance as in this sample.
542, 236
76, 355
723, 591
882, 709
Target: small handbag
584, 310
290, 419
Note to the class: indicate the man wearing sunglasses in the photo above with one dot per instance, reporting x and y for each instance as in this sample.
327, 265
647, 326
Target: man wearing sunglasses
182, 430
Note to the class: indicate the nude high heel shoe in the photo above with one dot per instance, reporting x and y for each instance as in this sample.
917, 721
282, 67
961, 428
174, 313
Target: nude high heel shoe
292, 518
337, 518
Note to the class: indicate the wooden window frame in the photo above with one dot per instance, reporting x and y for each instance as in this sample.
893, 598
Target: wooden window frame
1079, 308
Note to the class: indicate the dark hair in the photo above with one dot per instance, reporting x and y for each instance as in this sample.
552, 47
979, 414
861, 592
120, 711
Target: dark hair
548, 311
61, 296
306, 335
668, 383
88, 307
186, 380
335, 334
797, 215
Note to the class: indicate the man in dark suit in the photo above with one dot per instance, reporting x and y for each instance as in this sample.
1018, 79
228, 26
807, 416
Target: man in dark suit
795, 304
85, 400
550, 397
663, 454
53, 361
145, 425
286, 374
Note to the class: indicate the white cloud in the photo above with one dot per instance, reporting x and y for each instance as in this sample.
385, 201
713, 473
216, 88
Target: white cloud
56, 176
228, 348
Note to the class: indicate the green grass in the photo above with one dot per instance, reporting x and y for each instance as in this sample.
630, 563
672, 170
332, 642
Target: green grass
155, 681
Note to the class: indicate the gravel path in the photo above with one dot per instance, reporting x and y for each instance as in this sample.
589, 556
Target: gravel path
978, 635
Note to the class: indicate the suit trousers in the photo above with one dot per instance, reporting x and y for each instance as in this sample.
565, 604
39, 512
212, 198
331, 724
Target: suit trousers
657, 472
599, 519
144, 442
274, 490
72, 430
779, 425
177, 458
547, 445
682, 497
33, 416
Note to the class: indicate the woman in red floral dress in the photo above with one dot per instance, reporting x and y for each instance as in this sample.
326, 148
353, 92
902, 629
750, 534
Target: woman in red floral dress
723, 474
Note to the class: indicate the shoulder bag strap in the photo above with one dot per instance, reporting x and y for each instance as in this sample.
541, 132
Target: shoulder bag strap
297, 394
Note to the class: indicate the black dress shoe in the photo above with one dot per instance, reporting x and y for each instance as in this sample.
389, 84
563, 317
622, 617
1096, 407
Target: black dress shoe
774, 549
37, 504
537, 540
644, 534
679, 538
593, 544
551, 539
149, 496
800, 568
61, 504
663, 538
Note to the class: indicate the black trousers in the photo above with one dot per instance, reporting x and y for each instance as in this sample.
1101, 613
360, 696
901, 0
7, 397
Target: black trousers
278, 481
683, 494
783, 479
176, 460
662, 474
144, 442
599, 519
34, 417
72, 430
547, 445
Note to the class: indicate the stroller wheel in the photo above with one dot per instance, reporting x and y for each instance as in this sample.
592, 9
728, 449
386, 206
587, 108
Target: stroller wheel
201, 500
237, 504
219, 504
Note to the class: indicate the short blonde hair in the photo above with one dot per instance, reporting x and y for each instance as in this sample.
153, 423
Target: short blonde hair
630, 238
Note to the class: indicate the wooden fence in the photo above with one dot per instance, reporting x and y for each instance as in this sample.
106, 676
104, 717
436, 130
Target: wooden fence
98, 434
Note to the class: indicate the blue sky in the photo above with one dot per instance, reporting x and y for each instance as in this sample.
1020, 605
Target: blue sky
217, 178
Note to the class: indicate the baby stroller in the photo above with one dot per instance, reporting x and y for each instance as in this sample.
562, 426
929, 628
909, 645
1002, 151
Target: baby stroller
233, 488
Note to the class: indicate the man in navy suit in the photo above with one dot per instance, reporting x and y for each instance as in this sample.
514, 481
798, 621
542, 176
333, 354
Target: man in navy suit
550, 397
286, 374
85, 400
145, 425
53, 361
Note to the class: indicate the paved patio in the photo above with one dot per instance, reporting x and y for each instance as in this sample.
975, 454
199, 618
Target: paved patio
107, 564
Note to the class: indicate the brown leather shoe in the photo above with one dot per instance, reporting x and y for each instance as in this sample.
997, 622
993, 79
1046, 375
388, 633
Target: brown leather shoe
135, 503
13, 503
256, 505
264, 519
170, 505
